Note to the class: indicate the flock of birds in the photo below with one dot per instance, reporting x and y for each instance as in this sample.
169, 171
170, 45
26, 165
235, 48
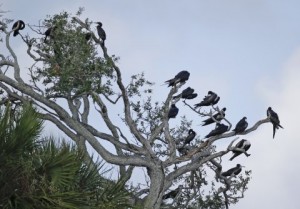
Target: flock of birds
209, 100
20, 25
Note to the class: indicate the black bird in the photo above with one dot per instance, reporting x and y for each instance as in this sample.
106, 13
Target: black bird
236, 170
241, 126
218, 117
274, 120
172, 194
49, 33
187, 93
220, 129
181, 77
243, 144
88, 36
173, 111
211, 99
184, 150
190, 137
19, 25
101, 32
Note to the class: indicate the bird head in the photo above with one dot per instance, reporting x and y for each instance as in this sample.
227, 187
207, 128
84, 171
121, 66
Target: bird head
191, 130
244, 118
224, 109
269, 108
99, 23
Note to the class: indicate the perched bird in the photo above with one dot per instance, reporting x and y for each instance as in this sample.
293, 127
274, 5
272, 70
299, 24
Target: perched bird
210, 99
220, 129
172, 194
49, 32
218, 117
274, 120
190, 137
173, 111
101, 32
88, 36
187, 93
19, 25
181, 77
236, 170
183, 150
243, 144
241, 126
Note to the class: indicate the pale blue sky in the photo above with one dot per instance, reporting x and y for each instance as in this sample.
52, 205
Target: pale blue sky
247, 51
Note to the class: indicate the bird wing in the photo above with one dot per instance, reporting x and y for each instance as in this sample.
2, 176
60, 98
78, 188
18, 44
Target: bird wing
239, 144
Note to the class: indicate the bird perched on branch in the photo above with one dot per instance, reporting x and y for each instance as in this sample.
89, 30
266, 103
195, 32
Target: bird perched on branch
173, 111
19, 25
210, 99
243, 144
235, 170
172, 194
88, 36
49, 32
190, 137
101, 32
181, 77
187, 93
184, 150
241, 126
220, 129
274, 120
218, 117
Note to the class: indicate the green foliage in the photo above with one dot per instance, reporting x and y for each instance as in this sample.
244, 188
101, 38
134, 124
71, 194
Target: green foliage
41, 174
72, 64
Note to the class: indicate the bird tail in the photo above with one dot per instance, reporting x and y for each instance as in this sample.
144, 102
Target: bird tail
280, 126
197, 105
171, 82
232, 157
274, 130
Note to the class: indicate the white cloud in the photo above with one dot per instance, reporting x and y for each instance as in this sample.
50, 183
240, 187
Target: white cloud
274, 162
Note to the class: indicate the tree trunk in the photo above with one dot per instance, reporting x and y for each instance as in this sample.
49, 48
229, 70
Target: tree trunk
154, 198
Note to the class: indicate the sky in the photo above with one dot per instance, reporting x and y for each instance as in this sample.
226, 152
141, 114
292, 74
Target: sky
246, 51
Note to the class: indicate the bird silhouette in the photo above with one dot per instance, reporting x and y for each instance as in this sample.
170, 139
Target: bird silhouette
49, 33
220, 129
17, 26
210, 99
173, 111
172, 194
243, 144
187, 93
101, 32
181, 77
218, 117
235, 170
274, 119
190, 137
241, 126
